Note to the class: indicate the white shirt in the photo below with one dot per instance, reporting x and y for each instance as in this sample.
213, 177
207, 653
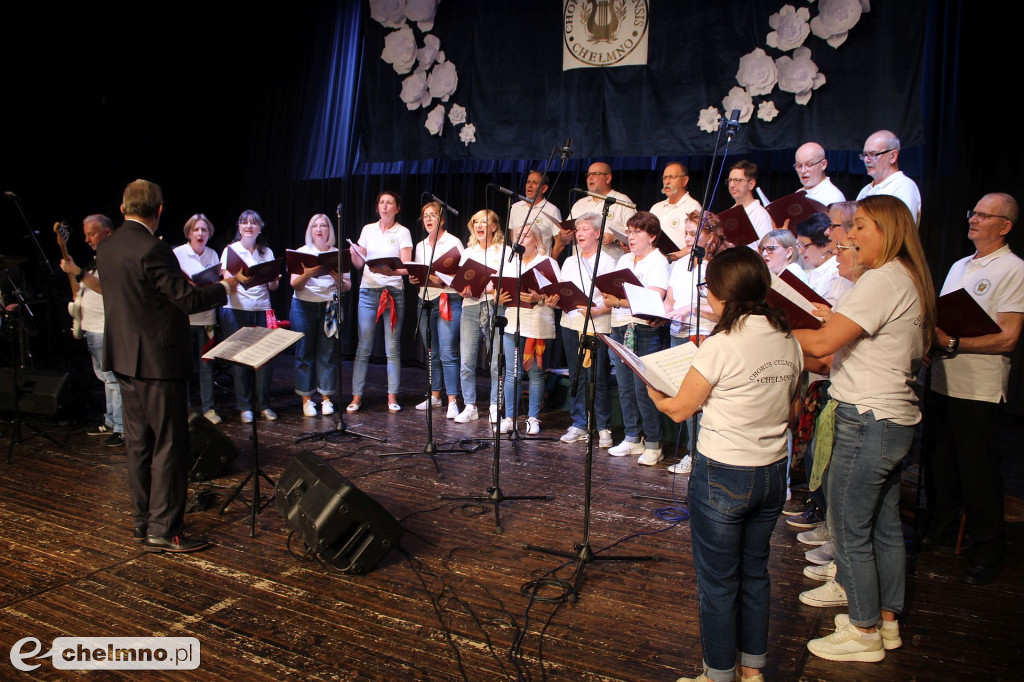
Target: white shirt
876, 370
254, 298
754, 371
93, 315
383, 244
491, 258
652, 271
617, 217
683, 284
544, 214
825, 193
318, 289
445, 243
193, 263
996, 282
673, 216
760, 219
537, 322
820, 278
899, 186
579, 271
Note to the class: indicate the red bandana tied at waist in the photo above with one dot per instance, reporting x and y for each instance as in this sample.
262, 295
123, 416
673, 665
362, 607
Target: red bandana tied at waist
445, 307
387, 301
534, 351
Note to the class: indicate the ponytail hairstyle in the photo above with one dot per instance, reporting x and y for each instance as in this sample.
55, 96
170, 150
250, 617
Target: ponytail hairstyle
740, 279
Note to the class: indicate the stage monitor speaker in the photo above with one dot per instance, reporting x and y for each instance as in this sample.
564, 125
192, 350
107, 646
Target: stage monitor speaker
338, 522
38, 390
212, 451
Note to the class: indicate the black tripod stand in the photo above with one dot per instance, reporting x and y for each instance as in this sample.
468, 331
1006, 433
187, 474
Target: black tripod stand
256, 505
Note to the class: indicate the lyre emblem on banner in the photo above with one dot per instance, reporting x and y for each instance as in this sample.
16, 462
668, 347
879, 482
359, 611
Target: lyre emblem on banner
604, 33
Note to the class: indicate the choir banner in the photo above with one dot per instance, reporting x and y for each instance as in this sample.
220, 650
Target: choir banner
600, 33
478, 79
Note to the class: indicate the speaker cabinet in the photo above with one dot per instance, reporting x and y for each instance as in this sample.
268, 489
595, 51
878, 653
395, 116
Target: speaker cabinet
212, 451
338, 522
38, 390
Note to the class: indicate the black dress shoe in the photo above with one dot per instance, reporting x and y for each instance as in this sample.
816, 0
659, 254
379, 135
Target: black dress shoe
979, 574
139, 534
176, 543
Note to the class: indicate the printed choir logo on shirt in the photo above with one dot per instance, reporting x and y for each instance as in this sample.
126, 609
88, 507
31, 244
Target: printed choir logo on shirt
600, 33
981, 286
392, 241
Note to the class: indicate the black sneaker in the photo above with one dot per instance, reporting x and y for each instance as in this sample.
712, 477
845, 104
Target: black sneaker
114, 440
811, 518
101, 430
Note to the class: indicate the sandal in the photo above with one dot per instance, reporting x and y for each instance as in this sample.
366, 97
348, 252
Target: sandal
353, 407
394, 407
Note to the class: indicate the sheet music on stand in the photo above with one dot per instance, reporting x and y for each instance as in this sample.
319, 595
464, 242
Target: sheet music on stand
663, 371
253, 346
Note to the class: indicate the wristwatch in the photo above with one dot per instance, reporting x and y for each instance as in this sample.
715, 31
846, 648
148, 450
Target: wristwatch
952, 345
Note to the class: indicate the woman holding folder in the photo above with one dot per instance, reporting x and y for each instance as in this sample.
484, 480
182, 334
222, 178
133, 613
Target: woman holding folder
744, 377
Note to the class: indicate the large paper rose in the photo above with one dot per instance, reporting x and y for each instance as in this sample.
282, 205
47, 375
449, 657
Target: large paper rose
836, 18
389, 13
757, 72
400, 50
791, 29
799, 75
738, 98
443, 80
427, 54
709, 119
435, 120
468, 134
457, 115
422, 12
766, 111
414, 90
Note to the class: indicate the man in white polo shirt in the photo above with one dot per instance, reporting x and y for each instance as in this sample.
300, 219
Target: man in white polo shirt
810, 165
678, 204
881, 160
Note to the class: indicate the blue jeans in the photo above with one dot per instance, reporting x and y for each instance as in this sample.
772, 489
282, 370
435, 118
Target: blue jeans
113, 417
469, 348
637, 407
205, 369
733, 510
603, 372
513, 369
864, 514
367, 319
316, 356
444, 345
231, 320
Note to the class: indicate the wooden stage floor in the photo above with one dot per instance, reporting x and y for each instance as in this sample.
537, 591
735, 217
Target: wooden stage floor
450, 604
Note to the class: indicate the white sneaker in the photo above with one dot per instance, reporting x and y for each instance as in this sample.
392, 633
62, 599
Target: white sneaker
247, 417
821, 573
326, 407
492, 413
308, 409
815, 536
605, 438
268, 414
467, 415
890, 630
848, 644
435, 401
212, 417
453, 409
651, 457
574, 435
626, 448
821, 555
506, 425
829, 594
532, 426
683, 466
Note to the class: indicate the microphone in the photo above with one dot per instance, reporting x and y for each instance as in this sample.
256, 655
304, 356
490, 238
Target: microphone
508, 192
445, 204
733, 124
604, 197
12, 195
566, 151
338, 210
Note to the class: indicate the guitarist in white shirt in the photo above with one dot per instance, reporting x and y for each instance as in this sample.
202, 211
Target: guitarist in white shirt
97, 228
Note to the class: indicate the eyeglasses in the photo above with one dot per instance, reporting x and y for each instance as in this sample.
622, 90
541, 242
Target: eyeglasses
803, 247
737, 180
243, 223
871, 156
702, 289
593, 173
846, 247
771, 248
632, 231
429, 215
672, 177
807, 166
984, 216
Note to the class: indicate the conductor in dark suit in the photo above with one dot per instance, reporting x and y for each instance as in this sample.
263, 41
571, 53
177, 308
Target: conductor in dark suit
148, 347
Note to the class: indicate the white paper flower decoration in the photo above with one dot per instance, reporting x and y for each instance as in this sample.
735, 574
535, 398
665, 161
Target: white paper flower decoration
388, 13
414, 90
757, 72
428, 54
709, 119
791, 29
738, 98
400, 50
836, 18
799, 75
435, 120
443, 80
422, 12
766, 111
468, 134
457, 115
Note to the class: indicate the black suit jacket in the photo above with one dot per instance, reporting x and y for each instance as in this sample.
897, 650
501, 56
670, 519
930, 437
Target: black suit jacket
147, 300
